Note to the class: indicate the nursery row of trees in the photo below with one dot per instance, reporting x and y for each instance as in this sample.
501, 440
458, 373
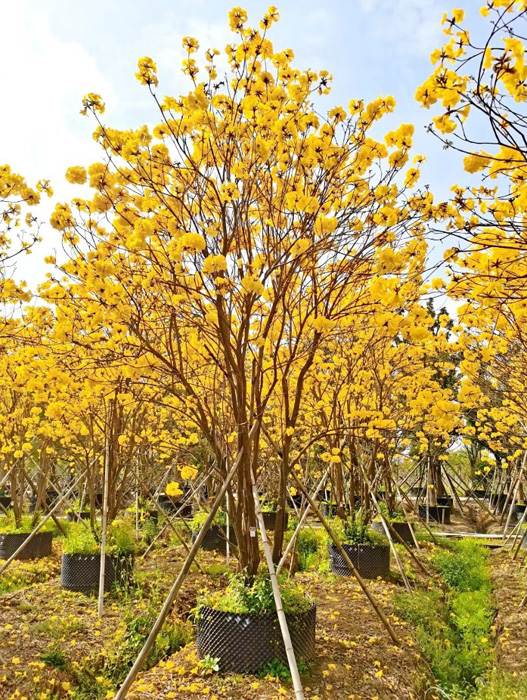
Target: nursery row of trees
249, 282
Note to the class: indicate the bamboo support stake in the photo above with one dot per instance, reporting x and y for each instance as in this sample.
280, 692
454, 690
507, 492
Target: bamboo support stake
104, 527
288, 644
349, 563
169, 601
300, 523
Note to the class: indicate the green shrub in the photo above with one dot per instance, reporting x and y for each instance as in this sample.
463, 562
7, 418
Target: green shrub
81, 539
257, 597
8, 525
453, 626
310, 547
199, 518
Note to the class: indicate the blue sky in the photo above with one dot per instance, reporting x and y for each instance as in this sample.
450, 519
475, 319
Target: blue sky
55, 51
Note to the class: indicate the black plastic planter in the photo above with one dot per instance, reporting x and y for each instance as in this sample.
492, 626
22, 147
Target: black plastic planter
476, 493
498, 500
73, 516
330, 510
51, 498
402, 529
40, 545
440, 514
80, 572
172, 506
296, 500
445, 501
215, 539
270, 519
519, 510
370, 560
5, 501
246, 643
417, 491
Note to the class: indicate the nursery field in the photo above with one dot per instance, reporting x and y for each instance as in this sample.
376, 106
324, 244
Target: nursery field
458, 629
263, 418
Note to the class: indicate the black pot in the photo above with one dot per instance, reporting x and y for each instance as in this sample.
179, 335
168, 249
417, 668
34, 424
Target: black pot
80, 572
519, 510
76, 516
417, 491
329, 510
445, 501
40, 545
215, 540
246, 643
440, 514
498, 500
296, 500
51, 497
270, 519
5, 501
370, 560
402, 529
171, 506
476, 493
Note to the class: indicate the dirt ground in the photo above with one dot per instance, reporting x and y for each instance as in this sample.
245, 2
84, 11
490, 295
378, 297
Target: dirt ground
355, 657
52, 644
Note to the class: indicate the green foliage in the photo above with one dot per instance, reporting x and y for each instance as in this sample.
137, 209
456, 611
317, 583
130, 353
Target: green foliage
54, 657
311, 547
174, 635
8, 525
465, 567
82, 540
393, 516
199, 518
453, 627
209, 664
257, 597
500, 686
275, 669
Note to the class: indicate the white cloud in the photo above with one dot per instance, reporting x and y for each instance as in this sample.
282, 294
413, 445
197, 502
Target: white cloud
43, 82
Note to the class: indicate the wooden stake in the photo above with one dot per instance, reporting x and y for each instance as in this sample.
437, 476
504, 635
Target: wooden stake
349, 563
104, 526
169, 601
288, 644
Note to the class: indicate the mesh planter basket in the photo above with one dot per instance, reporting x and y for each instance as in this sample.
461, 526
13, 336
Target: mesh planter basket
245, 643
440, 514
370, 560
402, 529
40, 545
270, 519
215, 539
80, 572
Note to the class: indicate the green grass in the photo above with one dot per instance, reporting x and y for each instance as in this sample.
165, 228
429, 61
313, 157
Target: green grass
453, 621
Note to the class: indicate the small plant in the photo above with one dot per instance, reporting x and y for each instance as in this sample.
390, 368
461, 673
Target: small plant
309, 545
275, 669
54, 657
209, 664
